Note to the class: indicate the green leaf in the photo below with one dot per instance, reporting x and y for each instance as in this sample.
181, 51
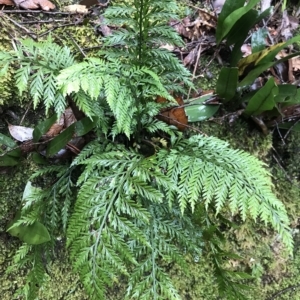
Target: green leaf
240, 30
60, 141
196, 111
290, 125
84, 126
43, 127
263, 99
260, 68
253, 74
227, 83
224, 28
293, 99
34, 234
8, 161
285, 91
228, 7
9, 157
7, 141
38, 159
271, 55
29, 190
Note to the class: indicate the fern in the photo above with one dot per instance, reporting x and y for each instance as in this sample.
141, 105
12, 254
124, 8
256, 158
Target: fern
125, 204
205, 167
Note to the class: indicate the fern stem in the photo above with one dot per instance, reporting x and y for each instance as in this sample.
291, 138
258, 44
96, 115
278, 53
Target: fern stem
153, 259
140, 39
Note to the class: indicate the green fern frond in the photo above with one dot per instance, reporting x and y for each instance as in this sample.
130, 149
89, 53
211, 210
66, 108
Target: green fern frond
206, 169
39, 64
30, 258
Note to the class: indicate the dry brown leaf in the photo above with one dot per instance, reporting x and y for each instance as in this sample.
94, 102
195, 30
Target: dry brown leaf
57, 127
7, 2
35, 4
69, 117
190, 59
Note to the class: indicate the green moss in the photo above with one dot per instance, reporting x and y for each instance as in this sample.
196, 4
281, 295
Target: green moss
62, 283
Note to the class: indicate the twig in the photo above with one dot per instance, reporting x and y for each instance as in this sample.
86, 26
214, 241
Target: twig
18, 25
27, 109
19, 11
76, 45
195, 67
293, 288
208, 64
282, 168
285, 136
282, 139
59, 26
185, 125
42, 21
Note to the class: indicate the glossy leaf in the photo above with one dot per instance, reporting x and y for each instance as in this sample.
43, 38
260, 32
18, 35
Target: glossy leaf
7, 141
224, 28
255, 58
286, 91
43, 127
196, 111
227, 83
263, 99
247, 22
275, 50
260, 68
60, 141
228, 7
84, 126
9, 157
241, 28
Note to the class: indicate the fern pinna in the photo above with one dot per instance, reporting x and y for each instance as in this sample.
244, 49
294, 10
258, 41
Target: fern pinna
125, 211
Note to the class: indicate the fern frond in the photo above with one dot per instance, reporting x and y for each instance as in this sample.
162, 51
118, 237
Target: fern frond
206, 169
31, 258
39, 64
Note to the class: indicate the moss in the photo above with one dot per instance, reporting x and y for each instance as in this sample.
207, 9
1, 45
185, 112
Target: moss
62, 283
6, 81
197, 282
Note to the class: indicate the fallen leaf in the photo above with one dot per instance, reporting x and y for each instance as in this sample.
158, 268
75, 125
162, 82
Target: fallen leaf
173, 115
69, 117
20, 133
57, 127
35, 4
246, 50
7, 2
76, 8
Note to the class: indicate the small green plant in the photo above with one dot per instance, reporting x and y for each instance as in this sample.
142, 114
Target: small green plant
140, 194
234, 24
